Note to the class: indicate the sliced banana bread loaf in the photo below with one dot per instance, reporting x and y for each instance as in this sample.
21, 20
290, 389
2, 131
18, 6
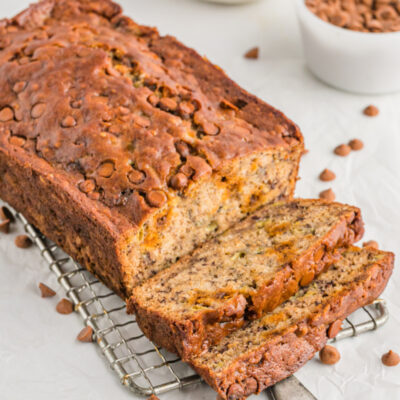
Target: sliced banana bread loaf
246, 271
272, 348
126, 148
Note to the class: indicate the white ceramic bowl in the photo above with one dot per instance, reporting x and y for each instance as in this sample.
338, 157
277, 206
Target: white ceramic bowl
360, 62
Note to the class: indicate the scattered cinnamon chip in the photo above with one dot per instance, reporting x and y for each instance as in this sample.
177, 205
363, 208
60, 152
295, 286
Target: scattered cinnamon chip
5, 213
23, 241
327, 194
371, 243
64, 306
342, 150
390, 359
253, 53
327, 175
153, 397
329, 355
356, 144
86, 334
45, 291
5, 226
371, 111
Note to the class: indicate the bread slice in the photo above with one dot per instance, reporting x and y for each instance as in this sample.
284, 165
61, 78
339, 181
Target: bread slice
274, 347
248, 270
125, 147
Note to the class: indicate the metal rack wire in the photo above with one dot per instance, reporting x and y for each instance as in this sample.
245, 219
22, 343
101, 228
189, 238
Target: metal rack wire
140, 365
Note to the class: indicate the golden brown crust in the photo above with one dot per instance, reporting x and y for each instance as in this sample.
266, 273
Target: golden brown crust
116, 120
111, 104
284, 353
188, 336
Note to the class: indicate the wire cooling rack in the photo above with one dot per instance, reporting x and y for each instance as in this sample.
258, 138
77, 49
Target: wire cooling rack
140, 365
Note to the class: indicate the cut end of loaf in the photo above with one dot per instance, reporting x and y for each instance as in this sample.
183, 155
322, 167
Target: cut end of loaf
208, 208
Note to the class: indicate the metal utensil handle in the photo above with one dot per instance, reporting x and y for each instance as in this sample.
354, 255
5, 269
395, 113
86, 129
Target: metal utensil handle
291, 389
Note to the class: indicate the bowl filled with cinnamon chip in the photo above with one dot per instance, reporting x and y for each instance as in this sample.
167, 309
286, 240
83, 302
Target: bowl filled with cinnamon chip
353, 45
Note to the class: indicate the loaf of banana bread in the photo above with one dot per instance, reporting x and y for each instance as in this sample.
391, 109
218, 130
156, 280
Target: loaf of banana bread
127, 148
272, 348
248, 270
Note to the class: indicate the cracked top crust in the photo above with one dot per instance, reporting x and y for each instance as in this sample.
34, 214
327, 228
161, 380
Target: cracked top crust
124, 115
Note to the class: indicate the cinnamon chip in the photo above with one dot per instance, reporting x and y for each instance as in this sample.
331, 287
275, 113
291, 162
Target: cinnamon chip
390, 359
45, 291
186, 108
68, 122
153, 100
6, 114
210, 129
153, 397
371, 243
327, 194
5, 213
168, 104
342, 150
19, 86
371, 111
64, 306
106, 169
87, 186
339, 19
18, 141
86, 335
179, 181
327, 175
356, 144
136, 177
156, 198
329, 355
23, 241
334, 329
5, 226
38, 110
252, 53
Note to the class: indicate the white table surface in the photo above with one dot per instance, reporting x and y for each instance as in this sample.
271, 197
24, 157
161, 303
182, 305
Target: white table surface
39, 356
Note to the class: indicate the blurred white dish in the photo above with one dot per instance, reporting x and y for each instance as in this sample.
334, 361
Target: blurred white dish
359, 62
230, 1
